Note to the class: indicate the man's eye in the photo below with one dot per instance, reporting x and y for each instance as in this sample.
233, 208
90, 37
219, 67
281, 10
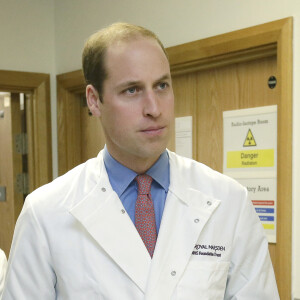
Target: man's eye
162, 85
131, 90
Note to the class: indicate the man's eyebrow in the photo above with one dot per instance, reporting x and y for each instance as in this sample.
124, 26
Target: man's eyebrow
137, 82
128, 83
164, 77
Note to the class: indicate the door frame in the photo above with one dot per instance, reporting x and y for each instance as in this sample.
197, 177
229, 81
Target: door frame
273, 38
39, 120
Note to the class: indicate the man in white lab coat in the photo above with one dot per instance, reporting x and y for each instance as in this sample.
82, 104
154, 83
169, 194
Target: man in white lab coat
78, 237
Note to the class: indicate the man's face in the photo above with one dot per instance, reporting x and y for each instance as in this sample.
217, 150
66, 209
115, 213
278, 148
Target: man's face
138, 103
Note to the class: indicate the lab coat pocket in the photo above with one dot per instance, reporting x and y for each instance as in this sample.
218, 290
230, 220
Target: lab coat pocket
203, 280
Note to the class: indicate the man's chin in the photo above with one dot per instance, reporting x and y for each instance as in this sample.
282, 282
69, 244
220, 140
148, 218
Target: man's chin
153, 152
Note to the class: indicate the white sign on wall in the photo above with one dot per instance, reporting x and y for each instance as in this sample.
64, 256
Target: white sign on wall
184, 136
250, 156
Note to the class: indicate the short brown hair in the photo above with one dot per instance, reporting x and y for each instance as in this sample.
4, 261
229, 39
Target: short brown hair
95, 47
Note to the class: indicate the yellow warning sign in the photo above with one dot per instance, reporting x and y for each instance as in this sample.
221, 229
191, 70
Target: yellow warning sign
250, 158
268, 226
249, 141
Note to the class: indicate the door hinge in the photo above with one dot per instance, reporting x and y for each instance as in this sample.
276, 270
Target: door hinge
2, 193
83, 100
22, 183
21, 143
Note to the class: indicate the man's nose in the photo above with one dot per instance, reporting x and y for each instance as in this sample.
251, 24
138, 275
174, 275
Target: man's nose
151, 104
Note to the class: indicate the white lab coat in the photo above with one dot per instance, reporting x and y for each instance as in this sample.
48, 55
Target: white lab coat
3, 266
74, 241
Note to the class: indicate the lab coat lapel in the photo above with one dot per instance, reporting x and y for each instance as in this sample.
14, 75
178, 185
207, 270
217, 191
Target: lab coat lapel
186, 212
103, 216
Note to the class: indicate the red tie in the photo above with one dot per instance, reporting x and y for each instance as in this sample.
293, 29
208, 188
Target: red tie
144, 213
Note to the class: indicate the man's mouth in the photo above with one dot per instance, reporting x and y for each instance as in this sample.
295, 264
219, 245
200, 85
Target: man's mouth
153, 130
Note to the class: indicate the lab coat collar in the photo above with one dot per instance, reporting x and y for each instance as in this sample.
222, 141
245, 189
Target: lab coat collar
103, 216
186, 212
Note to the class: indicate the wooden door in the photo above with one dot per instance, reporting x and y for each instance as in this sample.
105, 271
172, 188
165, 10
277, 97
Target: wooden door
36, 121
92, 136
10, 167
206, 94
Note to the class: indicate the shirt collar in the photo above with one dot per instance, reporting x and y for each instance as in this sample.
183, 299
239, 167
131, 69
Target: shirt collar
120, 176
160, 171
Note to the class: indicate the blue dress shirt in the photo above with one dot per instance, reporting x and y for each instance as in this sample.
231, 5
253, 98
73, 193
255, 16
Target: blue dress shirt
122, 181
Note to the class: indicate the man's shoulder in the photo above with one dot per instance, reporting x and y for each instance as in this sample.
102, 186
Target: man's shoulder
190, 166
66, 189
202, 177
2, 256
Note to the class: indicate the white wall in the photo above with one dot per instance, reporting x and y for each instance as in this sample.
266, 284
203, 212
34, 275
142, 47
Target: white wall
27, 44
48, 36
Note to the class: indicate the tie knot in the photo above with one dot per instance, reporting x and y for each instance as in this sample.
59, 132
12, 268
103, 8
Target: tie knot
144, 184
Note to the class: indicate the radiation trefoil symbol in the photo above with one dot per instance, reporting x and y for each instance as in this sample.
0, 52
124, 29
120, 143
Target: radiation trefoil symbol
249, 141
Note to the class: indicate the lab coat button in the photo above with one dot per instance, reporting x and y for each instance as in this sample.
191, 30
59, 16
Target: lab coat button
123, 211
173, 273
196, 220
103, 189
209, 203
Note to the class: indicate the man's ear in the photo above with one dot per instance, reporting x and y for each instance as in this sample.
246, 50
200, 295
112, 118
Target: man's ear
93, 101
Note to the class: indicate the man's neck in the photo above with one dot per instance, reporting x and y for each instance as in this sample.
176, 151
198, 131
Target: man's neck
139, 165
